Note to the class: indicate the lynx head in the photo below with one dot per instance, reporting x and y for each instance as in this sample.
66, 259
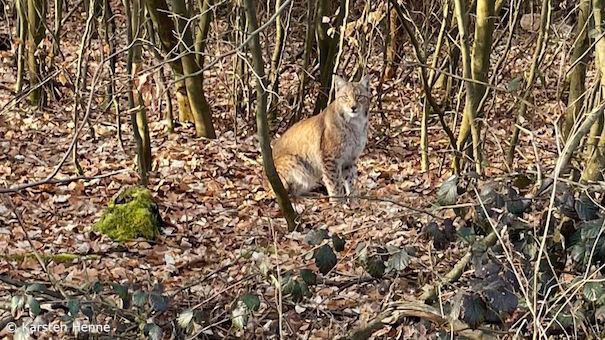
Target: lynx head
353, 98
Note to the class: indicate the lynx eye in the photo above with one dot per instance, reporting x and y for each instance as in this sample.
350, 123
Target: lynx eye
364, 100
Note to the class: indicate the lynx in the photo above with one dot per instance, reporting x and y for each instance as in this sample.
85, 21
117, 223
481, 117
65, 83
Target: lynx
323, 149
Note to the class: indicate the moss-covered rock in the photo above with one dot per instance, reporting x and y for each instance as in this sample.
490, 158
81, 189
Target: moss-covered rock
130, 215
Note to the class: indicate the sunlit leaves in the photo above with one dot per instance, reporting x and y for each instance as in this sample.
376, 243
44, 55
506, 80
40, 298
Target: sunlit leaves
242, 308
184, 319
448, 191
593, 291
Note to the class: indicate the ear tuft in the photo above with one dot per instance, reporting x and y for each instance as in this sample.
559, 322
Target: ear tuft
339, 83
365, 82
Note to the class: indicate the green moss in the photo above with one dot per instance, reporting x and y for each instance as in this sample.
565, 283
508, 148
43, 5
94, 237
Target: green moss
132, 214
63, 258
57, 258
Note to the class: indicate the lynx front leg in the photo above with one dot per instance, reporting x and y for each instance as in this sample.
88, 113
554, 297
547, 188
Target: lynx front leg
349, 174
332, 178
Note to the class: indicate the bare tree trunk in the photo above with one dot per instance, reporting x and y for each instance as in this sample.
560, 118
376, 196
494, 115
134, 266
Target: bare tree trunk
424, 143
577, 76
137, 19
194, 77
327, 43
239, 66
158, 10
136, 131
57, 31
203, 29
537, 58
20, 6
596, 162
477, 71
304, 76
408, 27
36, 14
392, 48
80, 82
161, 80
275, 62
262, 124
109, 25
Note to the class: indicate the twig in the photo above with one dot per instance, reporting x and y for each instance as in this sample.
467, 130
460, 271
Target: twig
35, 251
58, 181
378, 199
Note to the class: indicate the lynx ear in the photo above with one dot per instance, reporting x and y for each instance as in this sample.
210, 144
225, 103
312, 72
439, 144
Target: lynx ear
339, 83
365, 82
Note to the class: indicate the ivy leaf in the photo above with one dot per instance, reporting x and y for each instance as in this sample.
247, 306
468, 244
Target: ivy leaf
88, 311
361, 251
375, 266
35, 287
515, 204
34, 306
515, 84
577, 253
139, 297
315, 237
17, 302
590, 230
473, 310
308, 276
467, 234
501, 300
431, 230
184, 318
593, 291
448, 191
325, 259
152, 331
73, 306
159, 302
338, 243
522, 181
297, 291
491, 200
251, 301
399, 259
121, 290
586, 209
97, 287
449, 230
287, 284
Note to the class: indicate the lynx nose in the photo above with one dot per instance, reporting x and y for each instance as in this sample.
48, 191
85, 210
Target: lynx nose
354, 107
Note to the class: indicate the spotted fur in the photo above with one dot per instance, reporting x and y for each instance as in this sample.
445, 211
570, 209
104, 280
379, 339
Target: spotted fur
323, 149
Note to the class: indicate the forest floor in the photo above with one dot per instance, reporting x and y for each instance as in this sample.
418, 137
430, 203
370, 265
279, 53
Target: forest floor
210, 192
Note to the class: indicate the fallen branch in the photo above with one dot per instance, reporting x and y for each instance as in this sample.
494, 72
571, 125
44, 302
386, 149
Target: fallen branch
50, 180
430, 291
16, 283
397, 311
